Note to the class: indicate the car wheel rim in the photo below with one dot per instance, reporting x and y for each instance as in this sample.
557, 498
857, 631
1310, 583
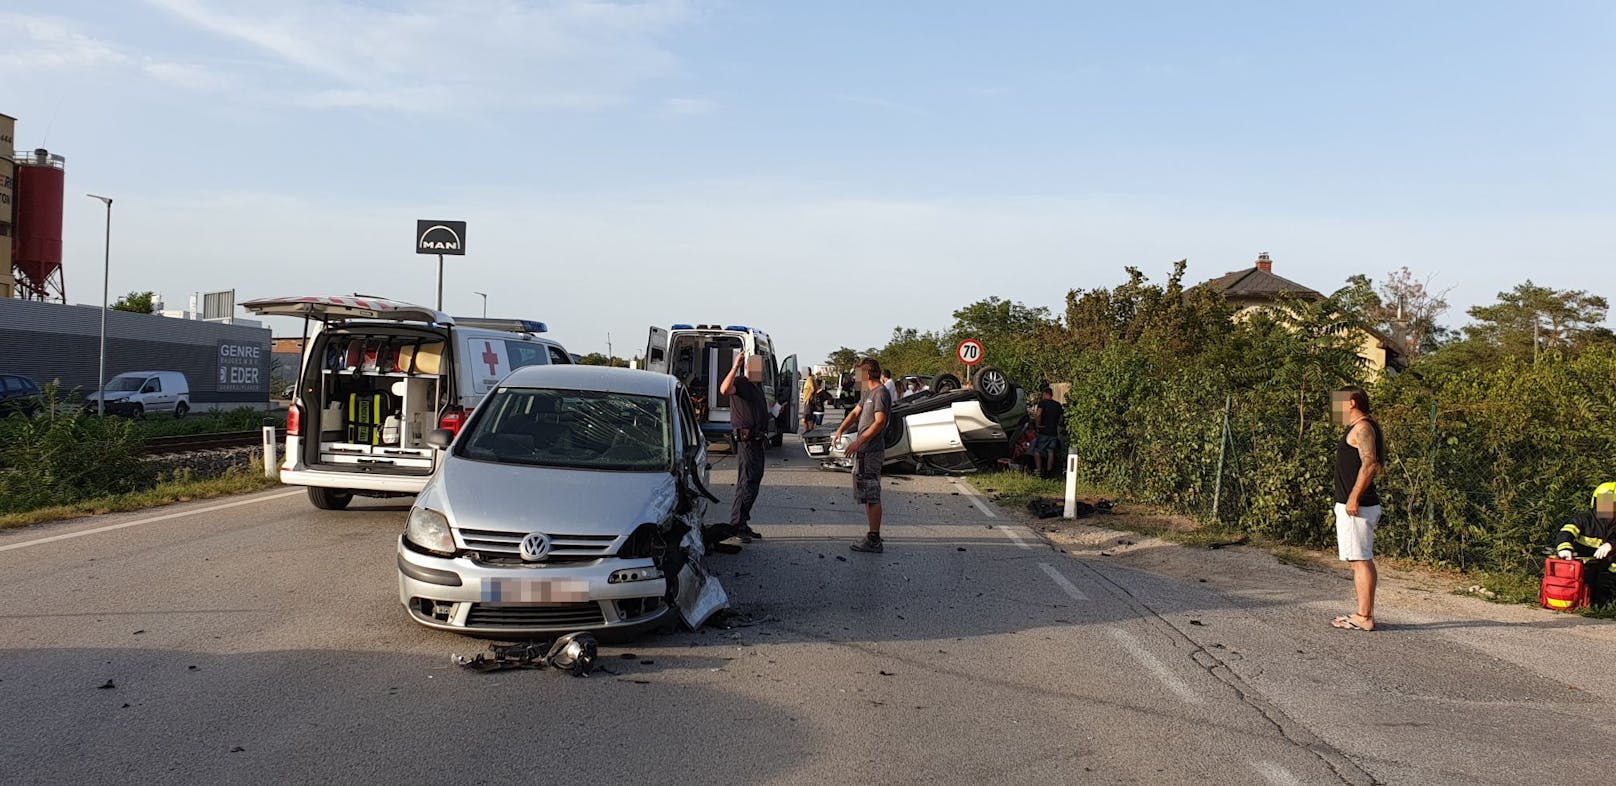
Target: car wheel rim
994, 384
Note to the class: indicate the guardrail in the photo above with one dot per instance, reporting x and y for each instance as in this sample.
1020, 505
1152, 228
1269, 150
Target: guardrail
188, 443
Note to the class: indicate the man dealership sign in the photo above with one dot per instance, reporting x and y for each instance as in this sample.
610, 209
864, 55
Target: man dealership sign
440, 237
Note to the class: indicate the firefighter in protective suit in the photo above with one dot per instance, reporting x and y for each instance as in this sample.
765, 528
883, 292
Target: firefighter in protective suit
1589, 537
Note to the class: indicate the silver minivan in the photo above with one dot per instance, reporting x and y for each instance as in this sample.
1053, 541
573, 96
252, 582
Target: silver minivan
572, 500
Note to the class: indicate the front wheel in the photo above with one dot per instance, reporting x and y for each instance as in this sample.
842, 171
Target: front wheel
329, 499
138, 412
180, 409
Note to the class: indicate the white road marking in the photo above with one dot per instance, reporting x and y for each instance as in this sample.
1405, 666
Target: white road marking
152, 520
1156, 667
1275, 774
1070, 588
975, 498
1011, 534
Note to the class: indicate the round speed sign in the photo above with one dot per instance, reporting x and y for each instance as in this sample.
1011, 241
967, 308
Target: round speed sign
970, 352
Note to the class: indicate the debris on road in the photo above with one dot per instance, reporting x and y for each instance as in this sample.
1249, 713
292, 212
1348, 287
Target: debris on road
106, 685
573, 653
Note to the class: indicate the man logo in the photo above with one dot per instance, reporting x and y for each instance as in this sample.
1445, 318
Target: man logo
535, 547
440, 237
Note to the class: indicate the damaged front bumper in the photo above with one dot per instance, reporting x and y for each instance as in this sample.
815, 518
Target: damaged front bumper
831, 455
465, 596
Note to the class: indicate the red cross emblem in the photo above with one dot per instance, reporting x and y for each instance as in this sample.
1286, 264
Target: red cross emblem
490, 358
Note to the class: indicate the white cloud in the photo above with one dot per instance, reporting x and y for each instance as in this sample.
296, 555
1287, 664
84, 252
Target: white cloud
187, 75
690, 106
433, 54
54, 44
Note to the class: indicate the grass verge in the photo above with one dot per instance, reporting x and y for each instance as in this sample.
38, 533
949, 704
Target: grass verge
168, 492
1014, 490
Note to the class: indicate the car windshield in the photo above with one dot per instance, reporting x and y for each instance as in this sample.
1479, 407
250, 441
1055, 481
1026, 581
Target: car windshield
572, 428
125, 384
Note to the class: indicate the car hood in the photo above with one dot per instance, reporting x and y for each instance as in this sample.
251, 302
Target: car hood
112, 395
512, 497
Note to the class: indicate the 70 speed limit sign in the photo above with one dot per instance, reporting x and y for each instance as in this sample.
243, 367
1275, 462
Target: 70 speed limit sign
969, 352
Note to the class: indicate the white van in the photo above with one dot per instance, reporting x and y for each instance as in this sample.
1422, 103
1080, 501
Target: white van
701, 355
378, 376
135, 393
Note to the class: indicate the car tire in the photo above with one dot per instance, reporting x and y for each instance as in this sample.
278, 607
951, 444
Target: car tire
945, 383
993, 385
138, 411
180, 409
777, 440
329, 499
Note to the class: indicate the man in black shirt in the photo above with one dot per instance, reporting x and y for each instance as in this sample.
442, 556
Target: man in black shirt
749, 419
1050, 416
1358, 460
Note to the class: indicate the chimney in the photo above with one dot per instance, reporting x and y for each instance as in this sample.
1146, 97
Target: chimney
1265, 264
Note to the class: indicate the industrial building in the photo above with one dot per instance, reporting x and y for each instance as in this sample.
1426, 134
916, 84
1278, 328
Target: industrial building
226, 361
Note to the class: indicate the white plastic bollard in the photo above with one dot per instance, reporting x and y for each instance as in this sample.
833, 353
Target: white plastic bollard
1071, 485
269, 452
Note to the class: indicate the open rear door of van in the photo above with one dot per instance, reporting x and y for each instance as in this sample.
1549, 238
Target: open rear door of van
338, 309
791, 383
656, 351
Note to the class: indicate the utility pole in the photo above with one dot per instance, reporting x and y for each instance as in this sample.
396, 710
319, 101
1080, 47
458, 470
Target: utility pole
485, 303
609, 354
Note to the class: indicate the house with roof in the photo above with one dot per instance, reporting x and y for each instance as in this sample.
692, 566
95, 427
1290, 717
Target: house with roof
1259, 287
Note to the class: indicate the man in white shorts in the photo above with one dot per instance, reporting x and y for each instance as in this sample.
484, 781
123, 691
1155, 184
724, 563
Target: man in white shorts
1358, 460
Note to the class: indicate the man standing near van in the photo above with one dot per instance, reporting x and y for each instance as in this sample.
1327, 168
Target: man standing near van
749, 420
868, 449
1358, 460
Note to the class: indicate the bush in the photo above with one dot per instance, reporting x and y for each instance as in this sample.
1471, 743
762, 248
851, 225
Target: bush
63, 456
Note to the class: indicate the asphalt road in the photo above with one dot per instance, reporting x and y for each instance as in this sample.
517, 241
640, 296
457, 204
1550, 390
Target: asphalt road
257, 639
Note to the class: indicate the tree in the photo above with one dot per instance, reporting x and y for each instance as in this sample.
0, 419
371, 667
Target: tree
1403, 307
600, 359
135, 302
1531, 319
910, 351
842, 359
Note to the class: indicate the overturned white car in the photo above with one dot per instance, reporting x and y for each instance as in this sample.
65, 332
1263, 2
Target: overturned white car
952, 432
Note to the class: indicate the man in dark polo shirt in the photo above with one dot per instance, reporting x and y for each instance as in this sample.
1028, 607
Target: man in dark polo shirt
749, 418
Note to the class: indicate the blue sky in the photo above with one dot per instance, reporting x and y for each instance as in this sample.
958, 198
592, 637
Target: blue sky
825, 170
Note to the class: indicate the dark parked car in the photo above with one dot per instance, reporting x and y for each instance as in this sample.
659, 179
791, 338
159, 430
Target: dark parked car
18, 394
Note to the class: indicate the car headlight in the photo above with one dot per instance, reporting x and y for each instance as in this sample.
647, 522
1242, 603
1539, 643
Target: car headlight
429, 529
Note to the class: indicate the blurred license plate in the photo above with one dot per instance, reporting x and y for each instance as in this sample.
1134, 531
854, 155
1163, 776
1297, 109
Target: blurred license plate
535, 590
816, 450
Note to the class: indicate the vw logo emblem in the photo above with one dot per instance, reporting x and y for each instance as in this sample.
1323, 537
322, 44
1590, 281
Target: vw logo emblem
535, 547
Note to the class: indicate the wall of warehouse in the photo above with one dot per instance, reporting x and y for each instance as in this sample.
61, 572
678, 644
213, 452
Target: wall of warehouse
227, 366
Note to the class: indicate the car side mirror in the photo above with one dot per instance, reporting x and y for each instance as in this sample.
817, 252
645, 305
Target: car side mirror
440, 438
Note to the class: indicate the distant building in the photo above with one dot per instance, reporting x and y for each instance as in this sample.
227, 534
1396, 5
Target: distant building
1259, 287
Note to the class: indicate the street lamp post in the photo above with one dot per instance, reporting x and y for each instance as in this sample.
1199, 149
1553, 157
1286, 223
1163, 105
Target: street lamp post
106, 270
485, 303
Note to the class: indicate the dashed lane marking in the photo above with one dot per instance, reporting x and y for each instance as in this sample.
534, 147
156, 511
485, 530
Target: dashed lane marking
975, 498
1155, 666
1062, 582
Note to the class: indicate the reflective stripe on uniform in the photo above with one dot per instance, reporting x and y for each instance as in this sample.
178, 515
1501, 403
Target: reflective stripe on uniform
1573, 529
1592, 543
